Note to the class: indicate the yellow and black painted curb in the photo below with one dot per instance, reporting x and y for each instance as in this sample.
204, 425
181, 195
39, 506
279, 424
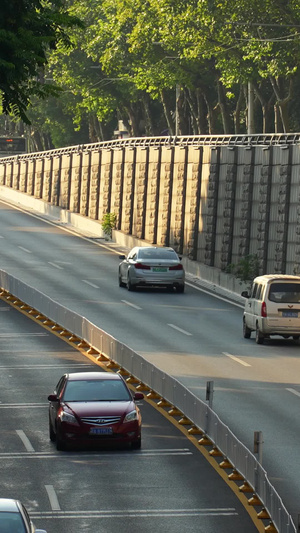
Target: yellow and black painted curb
243, 491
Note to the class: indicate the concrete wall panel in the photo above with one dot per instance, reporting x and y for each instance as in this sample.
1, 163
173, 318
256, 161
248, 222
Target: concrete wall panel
152, 199
178, 196
105, 183
39, 178
23, 176
75, 185
94, 185
65, 183
85, 183
165, 192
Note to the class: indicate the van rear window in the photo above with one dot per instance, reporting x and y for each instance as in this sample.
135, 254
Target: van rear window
285, 292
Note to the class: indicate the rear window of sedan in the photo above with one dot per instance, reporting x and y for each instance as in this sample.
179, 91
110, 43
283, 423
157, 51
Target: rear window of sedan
10, 522
96, 391
154, 253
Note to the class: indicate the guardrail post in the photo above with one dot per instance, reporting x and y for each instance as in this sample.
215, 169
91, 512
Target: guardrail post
210, 392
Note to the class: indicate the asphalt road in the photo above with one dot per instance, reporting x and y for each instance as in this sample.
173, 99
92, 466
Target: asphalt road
193, 336
167, 486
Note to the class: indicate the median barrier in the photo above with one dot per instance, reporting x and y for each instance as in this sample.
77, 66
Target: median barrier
183, 401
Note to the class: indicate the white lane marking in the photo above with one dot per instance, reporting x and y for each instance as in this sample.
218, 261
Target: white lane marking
133, 513
15, 335
236, 359
21, 405
25, 250
54, 265
227, 300
90, 283
293, 391
5, 308
131, 305
25, 440
1, 237
30, 367
130, 456
52, 498
179, 329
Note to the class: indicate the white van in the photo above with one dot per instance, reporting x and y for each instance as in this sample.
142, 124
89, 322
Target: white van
272, 307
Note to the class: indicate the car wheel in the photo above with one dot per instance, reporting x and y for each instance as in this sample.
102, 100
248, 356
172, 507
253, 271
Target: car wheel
52, 435
136, 444
129, 285
296, 338
60, 443
259, 338
246, 330
180, 288
121, 283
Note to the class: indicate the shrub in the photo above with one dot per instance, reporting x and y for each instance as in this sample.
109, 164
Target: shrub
109, 221
245, 270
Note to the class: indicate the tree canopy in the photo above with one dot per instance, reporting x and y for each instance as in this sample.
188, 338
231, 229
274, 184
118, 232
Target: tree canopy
180, 66
29, 29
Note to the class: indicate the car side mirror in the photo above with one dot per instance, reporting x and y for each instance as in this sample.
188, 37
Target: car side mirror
122, 256
53, 398
245, 294
138, 396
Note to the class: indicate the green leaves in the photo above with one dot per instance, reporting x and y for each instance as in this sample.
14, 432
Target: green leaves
28, 30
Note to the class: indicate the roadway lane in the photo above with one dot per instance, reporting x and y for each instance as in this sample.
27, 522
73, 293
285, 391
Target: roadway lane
166, 486
194, 336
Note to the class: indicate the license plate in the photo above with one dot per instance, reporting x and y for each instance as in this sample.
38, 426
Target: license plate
290, 314
101, 431
159, 269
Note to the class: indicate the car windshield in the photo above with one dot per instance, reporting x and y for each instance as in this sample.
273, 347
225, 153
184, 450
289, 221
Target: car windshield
285, 292
11, 523
157, 253
96, 391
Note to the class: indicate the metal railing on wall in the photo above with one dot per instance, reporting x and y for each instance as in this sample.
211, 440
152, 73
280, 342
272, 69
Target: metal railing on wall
197, 411
181, 141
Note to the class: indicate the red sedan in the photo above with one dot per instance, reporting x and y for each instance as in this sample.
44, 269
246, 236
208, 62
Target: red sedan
94, 407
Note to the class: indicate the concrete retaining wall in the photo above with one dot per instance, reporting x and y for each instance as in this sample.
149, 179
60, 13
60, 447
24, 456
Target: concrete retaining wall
213, 203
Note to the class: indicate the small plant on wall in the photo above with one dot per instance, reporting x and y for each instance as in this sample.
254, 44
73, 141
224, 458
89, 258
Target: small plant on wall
109, 222
245, 270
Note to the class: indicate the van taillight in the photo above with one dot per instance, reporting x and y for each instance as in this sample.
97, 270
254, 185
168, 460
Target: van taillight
264, 309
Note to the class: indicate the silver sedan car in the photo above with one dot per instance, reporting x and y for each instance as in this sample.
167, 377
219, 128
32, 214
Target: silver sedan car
151, 266
14, 518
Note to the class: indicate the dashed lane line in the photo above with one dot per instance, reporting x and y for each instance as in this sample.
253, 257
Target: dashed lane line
54, 504
25, 249
180, 330
131, 305
237, 359
90, 284
25, 440
293, 391
55, 265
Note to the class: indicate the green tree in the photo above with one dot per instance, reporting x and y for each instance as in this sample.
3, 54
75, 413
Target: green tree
28, 30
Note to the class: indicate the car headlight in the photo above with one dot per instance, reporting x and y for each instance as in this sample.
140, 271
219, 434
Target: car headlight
68, 417
131, 416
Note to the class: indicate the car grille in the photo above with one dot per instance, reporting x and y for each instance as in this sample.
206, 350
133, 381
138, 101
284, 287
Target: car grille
100, 420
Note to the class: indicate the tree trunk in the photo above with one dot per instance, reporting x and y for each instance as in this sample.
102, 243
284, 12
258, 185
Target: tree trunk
222, 102
282, 102
237, 113
167, 112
